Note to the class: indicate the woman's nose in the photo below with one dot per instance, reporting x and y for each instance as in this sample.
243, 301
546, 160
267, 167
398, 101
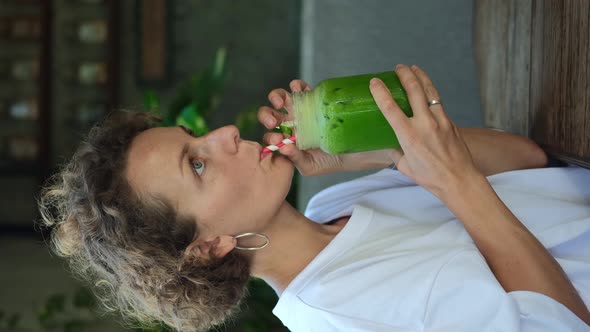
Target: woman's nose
228, 137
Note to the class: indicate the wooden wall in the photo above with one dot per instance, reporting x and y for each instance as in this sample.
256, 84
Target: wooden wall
533, 65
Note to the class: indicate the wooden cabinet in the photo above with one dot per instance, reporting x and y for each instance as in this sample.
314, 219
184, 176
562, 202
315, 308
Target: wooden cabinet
23, 77
25, 100
58, 75
533, 60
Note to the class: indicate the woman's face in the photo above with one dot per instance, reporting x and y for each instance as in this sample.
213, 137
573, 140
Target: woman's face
218, 178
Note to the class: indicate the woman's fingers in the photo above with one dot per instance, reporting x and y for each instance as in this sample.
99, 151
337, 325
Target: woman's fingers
280, 98
272, 138
414, 89
431, 94
270, 117
297, 157
299, 85
394, 115
429, 89
301, 159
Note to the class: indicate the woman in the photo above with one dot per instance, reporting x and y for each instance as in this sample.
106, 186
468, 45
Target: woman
170, 227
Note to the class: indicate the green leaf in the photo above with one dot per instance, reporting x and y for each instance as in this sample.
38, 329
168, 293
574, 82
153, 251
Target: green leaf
209, 86
287, 128
43, 317
74, 325
83, 298
201, 91
56, 303
151, 100
12, 321
247, 121
190, 118
219, 63
183, 98
201, 126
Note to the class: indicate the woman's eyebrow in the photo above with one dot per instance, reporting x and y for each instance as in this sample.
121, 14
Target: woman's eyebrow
182, 154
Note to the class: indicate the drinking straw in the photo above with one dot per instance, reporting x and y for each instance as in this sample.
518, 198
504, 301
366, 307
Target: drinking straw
273, 147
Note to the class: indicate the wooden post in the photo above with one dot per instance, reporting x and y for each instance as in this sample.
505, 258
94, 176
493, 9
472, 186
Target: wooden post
533, 60
153, 40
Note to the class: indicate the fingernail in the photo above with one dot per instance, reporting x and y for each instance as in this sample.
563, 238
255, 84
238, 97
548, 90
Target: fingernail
276, 102
374, 81
399, 66
276, 139
269, 122
414, 67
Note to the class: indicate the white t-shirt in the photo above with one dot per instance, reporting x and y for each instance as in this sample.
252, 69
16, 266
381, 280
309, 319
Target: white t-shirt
403, 262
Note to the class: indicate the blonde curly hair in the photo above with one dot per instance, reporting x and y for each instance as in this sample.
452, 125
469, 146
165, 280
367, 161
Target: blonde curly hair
130, 248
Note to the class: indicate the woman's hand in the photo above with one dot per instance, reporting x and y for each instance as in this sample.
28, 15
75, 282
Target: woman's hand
433, 154
313, 161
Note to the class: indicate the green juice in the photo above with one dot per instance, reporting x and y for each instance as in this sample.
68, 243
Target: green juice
341, 116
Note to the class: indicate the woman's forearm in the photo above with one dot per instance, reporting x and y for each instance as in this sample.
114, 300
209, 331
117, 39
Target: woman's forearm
496, 152
519, 261
492, 152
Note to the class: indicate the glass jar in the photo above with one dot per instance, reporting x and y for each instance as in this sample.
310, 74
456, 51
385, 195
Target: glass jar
341, 116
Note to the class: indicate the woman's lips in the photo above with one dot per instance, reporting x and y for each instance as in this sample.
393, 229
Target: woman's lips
261, 153
264, 154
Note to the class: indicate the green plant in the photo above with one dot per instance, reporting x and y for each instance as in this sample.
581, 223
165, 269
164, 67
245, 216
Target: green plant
196, 98
63, 313
8, 322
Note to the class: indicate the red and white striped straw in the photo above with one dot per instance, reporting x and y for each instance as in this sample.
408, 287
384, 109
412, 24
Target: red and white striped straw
273, 147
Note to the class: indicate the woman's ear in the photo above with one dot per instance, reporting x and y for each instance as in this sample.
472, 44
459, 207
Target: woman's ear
218, 247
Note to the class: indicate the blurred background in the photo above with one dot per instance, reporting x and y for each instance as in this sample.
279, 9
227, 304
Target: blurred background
64, 64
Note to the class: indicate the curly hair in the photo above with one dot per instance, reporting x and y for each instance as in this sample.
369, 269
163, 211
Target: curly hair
131, 248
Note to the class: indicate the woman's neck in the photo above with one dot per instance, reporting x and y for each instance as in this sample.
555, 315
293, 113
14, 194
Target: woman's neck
294, 242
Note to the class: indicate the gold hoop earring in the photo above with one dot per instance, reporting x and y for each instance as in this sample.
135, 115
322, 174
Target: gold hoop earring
253, 234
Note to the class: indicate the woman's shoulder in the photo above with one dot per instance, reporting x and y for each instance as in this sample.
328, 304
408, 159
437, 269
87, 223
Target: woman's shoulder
402, 281
335, 201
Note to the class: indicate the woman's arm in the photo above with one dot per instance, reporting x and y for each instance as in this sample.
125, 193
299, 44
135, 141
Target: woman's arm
437, 157
492, 152
519, 261
496, 152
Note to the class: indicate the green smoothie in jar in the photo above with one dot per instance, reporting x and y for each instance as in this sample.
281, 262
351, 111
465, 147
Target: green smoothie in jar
341, 116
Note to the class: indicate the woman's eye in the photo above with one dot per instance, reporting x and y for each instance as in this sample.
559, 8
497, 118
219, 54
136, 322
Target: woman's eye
198, 166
